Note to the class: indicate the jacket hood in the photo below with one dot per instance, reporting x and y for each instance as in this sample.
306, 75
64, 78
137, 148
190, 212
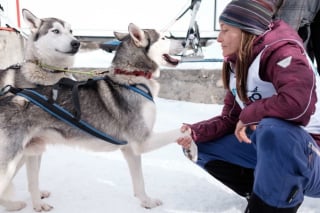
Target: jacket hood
279, 31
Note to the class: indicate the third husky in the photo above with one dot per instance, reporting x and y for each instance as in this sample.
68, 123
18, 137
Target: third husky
118, 103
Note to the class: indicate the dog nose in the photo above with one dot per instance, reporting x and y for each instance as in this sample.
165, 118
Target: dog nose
75, 44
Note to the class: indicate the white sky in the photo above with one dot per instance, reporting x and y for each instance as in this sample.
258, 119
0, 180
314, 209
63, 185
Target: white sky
98, 17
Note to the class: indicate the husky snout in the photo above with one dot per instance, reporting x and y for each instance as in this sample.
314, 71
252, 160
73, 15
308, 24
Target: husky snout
75, 45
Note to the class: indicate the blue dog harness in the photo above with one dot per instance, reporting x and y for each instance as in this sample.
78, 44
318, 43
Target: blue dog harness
49, 105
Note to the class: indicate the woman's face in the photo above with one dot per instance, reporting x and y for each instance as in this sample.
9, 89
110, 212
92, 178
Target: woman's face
230, 38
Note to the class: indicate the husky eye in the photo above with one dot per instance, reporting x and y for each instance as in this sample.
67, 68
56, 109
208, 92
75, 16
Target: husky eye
56, 31
71, 31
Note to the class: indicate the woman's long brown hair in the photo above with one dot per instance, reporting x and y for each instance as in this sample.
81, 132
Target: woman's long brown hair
243, 61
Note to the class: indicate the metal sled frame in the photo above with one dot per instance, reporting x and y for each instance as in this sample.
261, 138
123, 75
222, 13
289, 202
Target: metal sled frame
192, 42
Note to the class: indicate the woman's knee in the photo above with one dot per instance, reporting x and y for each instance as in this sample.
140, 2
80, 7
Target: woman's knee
274, 133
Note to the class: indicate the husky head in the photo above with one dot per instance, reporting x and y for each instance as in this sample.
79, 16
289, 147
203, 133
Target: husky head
144, 49
51, 40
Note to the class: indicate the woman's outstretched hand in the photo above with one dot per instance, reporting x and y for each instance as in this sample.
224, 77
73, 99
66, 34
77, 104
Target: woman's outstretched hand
185, 141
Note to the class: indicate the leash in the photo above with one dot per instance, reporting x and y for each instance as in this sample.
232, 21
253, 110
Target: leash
54, 69
49, 105
65, 69
173, 21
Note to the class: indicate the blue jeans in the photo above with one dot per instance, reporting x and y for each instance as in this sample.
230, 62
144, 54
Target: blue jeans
285, 157
228, 149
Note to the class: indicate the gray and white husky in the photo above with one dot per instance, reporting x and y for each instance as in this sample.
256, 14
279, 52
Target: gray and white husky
50, 48
108, 105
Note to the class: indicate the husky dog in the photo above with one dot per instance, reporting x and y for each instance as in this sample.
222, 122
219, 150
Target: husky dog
108, 105
49, 49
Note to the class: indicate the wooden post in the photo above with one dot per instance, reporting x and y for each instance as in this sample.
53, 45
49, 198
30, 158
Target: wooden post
18, 13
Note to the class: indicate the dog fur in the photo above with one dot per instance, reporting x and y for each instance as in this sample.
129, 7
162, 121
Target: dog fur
122, 113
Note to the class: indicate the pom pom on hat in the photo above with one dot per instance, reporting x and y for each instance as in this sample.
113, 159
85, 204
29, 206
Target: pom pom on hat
248, 15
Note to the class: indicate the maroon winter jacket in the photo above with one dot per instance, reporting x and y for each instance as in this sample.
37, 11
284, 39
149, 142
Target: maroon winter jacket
293, 86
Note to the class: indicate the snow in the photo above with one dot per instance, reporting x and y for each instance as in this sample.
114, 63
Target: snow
82, 181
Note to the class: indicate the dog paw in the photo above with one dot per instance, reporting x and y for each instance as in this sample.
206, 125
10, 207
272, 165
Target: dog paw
151, 203
42, 207
14, 205
192, 152
44, 194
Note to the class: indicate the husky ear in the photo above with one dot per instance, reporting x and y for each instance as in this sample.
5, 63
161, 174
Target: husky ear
31, 19
137, 35
120, 36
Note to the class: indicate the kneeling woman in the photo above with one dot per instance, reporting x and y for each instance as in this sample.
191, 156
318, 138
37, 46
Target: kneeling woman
264, 145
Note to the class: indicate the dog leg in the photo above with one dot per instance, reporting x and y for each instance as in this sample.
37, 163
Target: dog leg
135, 168
160, 139
12, 205
9, 204
33, 168
6, 186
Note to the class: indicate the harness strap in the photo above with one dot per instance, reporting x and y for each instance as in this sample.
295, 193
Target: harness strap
74, 85
49, 105
134, 87
62, 114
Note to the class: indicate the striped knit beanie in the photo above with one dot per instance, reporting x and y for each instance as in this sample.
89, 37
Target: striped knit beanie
248, 15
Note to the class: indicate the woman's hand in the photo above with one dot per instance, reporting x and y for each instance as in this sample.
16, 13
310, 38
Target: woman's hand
190, 149
240, 132
185, 141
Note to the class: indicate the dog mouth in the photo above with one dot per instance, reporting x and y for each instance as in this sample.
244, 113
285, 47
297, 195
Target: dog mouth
170, 60
74, 48
71, 52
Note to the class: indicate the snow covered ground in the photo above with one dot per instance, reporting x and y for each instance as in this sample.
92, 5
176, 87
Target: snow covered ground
83, 182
